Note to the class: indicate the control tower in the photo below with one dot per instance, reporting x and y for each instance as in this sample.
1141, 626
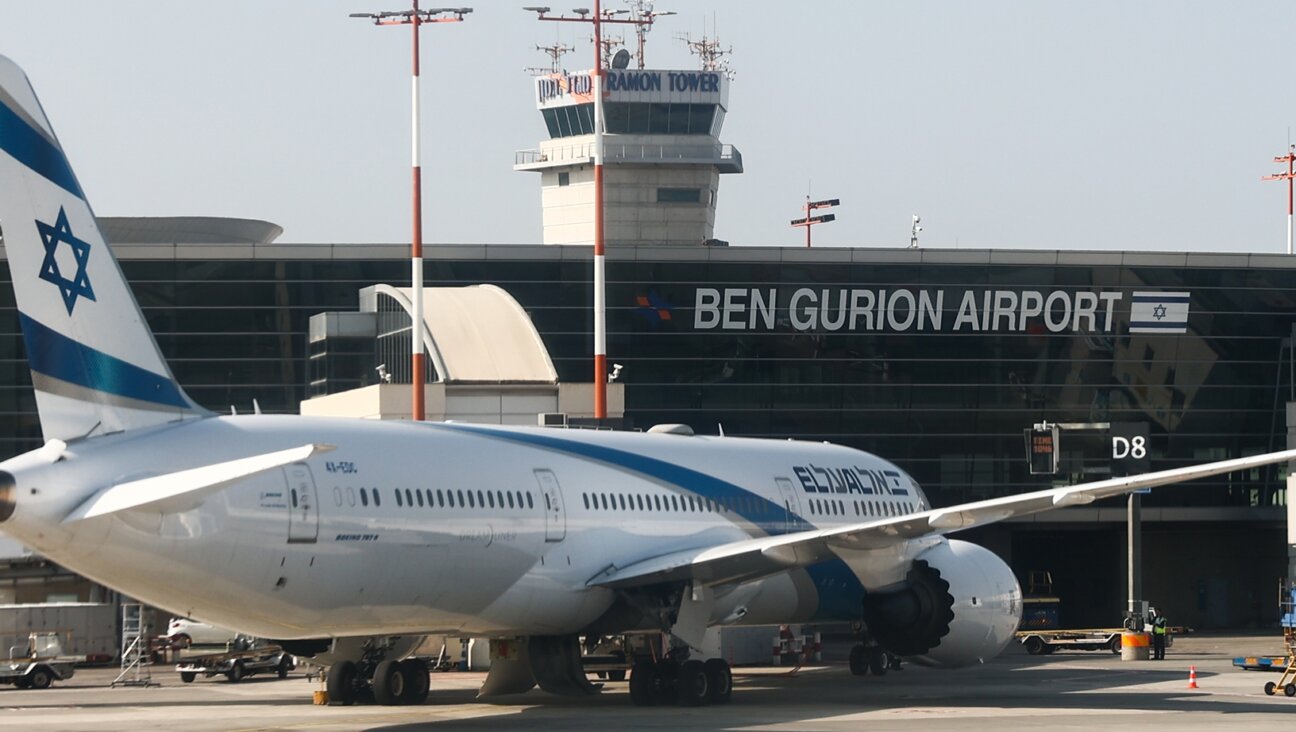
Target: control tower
662, 156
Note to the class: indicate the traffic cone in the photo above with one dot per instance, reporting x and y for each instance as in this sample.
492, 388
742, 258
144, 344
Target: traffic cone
1192, 677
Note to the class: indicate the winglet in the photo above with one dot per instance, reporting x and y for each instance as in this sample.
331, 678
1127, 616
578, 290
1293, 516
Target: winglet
184, 489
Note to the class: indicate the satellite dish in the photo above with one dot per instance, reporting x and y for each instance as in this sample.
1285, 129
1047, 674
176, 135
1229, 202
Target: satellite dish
621, 60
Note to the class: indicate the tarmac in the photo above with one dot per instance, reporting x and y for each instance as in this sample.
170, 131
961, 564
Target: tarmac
1063, 691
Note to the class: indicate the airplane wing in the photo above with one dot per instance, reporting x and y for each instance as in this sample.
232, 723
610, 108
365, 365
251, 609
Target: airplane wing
750, 559
184, 489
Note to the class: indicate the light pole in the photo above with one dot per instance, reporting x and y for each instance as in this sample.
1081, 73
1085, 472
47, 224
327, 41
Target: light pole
415, 18
1289, 158
598, 17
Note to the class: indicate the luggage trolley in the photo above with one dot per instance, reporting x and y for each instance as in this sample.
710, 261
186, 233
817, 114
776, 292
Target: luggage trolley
1287, 608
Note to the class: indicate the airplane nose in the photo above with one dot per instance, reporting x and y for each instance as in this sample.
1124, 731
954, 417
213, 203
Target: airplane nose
8, 495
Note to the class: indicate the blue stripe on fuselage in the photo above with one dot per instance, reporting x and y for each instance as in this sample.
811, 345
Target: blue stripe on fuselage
53, 354
30, 148
840, 593
696, 482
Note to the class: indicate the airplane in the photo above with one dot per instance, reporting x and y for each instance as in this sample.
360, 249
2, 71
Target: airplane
349, 541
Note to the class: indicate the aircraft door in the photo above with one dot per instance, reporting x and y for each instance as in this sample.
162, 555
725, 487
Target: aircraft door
303, 509
791, 502
551, 500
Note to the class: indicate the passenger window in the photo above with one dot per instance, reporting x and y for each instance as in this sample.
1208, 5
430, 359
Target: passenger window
377, 498
293, 493
337, 495
639, 502
471, 502
481, 500
529, 504
398, 497
510, 499
499, 496
350, 496
364, 497
419, 496
622, 498
490, 497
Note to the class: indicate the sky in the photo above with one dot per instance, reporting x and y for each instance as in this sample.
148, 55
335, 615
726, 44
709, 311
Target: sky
1004, 124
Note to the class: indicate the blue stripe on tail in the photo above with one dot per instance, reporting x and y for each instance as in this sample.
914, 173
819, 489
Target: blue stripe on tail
55, 355
30, 148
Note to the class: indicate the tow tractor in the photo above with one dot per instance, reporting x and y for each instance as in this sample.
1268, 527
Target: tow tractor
43, 664
244, 657
1286, 663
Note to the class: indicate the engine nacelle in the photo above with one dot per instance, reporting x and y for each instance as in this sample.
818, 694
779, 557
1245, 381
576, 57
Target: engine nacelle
960, 605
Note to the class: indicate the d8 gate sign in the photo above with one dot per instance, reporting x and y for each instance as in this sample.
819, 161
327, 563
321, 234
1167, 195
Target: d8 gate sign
1129, 449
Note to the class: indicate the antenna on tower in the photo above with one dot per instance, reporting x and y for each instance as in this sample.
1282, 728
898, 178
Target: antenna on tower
710, 52
643, 10
555, 52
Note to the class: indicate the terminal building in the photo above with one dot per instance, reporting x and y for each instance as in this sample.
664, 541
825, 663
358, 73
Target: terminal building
935, 359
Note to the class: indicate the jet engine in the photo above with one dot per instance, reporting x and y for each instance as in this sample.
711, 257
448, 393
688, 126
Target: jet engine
959, 605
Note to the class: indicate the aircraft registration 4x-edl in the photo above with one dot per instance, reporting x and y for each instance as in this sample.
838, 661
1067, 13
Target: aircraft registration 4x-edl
350, 540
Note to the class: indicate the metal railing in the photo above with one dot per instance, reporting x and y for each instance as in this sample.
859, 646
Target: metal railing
632, 153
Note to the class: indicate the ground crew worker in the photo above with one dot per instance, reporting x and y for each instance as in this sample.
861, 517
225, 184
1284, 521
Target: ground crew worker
1158, 637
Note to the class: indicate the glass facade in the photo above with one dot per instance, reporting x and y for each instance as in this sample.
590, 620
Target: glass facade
798, 348
632, 118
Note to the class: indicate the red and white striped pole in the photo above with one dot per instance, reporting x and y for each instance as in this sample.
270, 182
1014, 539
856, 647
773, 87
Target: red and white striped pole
414, 18
600, 303
418, 411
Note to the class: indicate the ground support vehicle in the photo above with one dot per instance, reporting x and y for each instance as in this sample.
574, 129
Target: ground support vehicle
42, 664
1039, 642
241, 661
1287, 664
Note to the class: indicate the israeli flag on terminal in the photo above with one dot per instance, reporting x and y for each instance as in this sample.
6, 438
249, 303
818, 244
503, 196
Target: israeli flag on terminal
1159, 312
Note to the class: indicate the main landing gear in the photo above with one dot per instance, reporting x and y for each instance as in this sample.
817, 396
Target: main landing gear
677, 679
867, 659
378, 679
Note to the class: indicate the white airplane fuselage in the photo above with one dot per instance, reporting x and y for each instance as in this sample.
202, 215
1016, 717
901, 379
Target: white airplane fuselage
413, 528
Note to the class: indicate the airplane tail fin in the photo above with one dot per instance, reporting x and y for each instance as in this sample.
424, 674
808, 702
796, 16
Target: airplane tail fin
94, 363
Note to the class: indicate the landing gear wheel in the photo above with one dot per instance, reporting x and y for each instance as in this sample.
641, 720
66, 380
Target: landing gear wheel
720, 679
188, 676
417, 682
1269, 688
1290, 690
341, 684
693, 687
41, 679
236, 672
389, 683
645, 684
877, 661
859, 660
284, 665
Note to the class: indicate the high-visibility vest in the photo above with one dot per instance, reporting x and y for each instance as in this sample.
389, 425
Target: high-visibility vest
1159, 627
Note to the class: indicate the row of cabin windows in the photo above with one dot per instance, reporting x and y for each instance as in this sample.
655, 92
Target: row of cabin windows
747, 505
427, 498
862, 508
349, 496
